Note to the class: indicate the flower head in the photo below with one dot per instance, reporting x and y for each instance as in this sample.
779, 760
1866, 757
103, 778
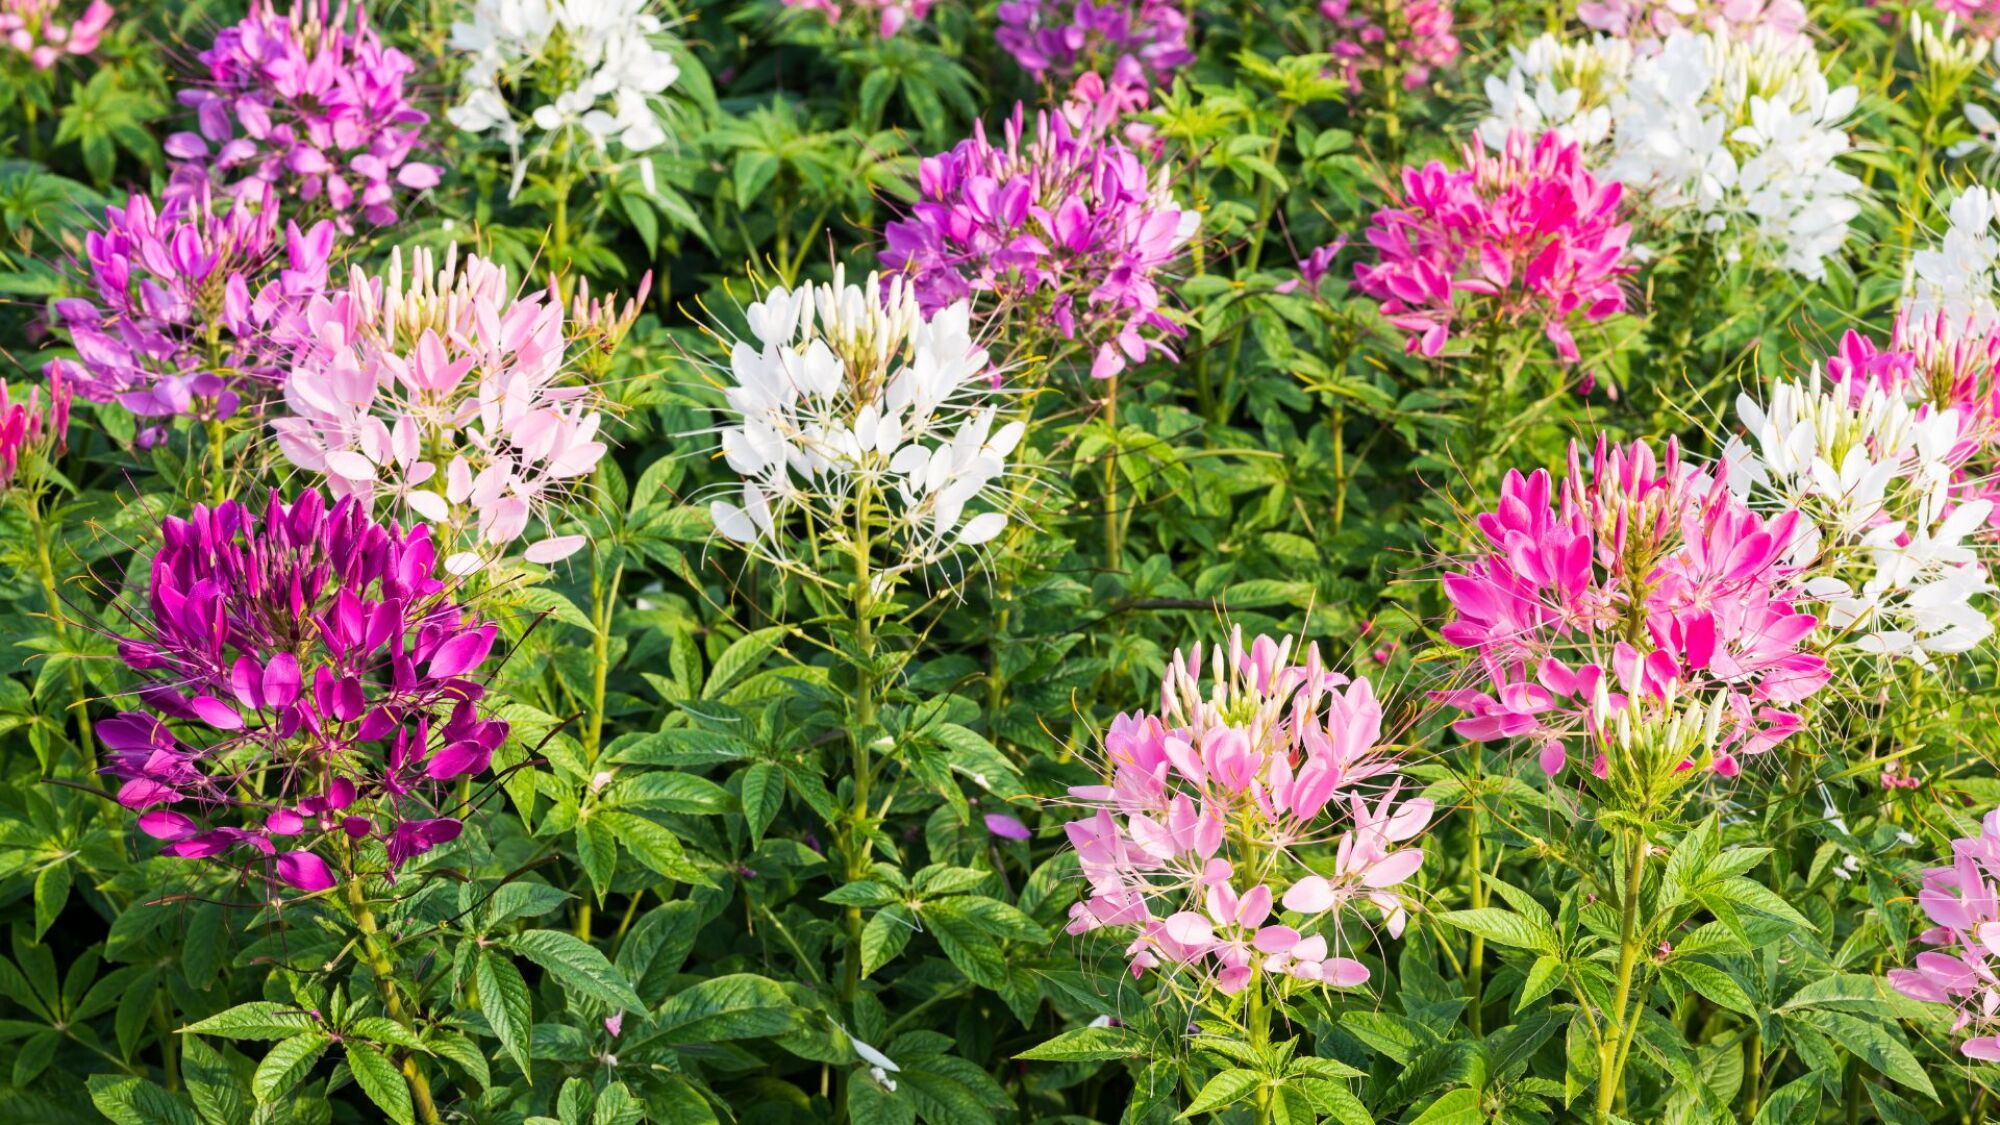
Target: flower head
31, 28
889, 15
1525, 234
307, 687
1067, 232
33, 430
849, 396
444, 395
1412, 37
1960, 969
1190, 841
197, 305
311, 104
1138, 41
1646, 20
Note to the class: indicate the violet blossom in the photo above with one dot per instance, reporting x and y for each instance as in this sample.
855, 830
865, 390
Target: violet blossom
310, 103
1066, 231
1139, 40
197, 303
308, 689
31, 28
1963, 967
1407, 38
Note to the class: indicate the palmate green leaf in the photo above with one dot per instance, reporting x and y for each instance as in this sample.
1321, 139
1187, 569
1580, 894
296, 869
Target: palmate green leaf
286, 1065
1504, 927
381, 1081
738, 1006
258, 1019
504, 1001
577, 966
1222, 1091
1087, 1044
135, 1101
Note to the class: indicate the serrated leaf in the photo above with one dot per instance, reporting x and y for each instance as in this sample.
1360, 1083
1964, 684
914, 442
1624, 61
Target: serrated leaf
1087, 1044
1713, 983
741, 658
379, 1079
1504, 927
135, 1101
655, 846
576, 965
504, 1001
1222, 1091
286, 1065
258, 1019
763, 794
738, 1006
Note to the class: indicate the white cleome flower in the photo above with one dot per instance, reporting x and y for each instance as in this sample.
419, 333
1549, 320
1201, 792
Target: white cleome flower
847, 405
1892, 572
1958, 277
1735, 137
593, 65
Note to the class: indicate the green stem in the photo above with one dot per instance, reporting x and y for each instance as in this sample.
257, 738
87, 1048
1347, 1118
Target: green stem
1476, 955
1619, 1025
385, 981
603, 604
1114, 548
1260, 1040
218, 465
45, 564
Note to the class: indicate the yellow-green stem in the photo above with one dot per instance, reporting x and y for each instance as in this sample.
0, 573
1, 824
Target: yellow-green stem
1113, 547
45, 563
1618, 1024
218, 465
385, 982
603, 604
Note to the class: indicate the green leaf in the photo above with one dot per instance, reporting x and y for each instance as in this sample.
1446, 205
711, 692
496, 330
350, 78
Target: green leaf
885, 935
869, 1104
1873, 1044
1504, 927
741, 658
577, 965
1542, 978
51, 895
219, 1096
654, 845
379, 1079
1794, 1104
597, 853
1223, 1090
258, 1019
763, 794
1713, 983
503, 1000
1459, 1107
664, 791
1087, 1044
380, 1029
287, 1065
135, 1101
738, 1006
969, 929
522, 899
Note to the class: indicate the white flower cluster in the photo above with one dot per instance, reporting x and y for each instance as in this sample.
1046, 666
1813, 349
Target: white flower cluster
856, 417
1737, 137
592, 64
1958, 278
1890, 564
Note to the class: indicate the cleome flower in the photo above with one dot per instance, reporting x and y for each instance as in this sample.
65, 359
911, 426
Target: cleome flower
32, 430
445, 398
198, 303
1190, 842
307, 690
1871, 470
1960, 969
1641, 585
1067, 233
1137, 41
854, 415
542, 67
1647, 21
1409, 37
1737, 138
31, 28
311, 104
890, 15
1524, 234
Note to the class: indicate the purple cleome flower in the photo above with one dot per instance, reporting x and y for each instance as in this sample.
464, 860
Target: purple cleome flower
1142, 40
306, 689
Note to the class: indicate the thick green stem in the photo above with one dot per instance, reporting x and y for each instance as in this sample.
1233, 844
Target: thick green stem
1619, 1025
1476, 954
860, 843
218, 464
603, 604
1114, 548
385, 982
45, 564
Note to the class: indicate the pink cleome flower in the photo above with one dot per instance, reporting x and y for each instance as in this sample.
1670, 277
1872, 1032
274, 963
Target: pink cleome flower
1413, 35
1067, 231
891, 14
1189, 845
1641, 581
307, 687
1139, 41
1524, 235
1960, 970
29, 428
30, 27
1783, 20
310, 103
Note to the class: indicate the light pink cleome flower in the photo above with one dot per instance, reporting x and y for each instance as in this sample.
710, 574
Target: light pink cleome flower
1189, 844
30, 27
1521, 236
1783, 20
1642, 581
1960, 900
1412, 35
891, 14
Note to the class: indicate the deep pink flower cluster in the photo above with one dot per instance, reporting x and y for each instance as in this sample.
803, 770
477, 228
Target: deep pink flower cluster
891, 15
1067, 231
1189, 843
1785, 20
32, 428
311, 104
30, 27
1639, 581
1523, 235
1964, 968
1413, 37
1142, 41
308, 688
198, 303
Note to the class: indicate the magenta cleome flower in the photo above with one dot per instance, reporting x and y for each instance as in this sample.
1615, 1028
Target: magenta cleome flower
890, 15
310, 104
1412, 37
31, 28
1524, 235
1641, 586
198, 304
307, 688
1781, 20
32, 430
1190, 842
1142, 41
1066, 231
1960, 970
